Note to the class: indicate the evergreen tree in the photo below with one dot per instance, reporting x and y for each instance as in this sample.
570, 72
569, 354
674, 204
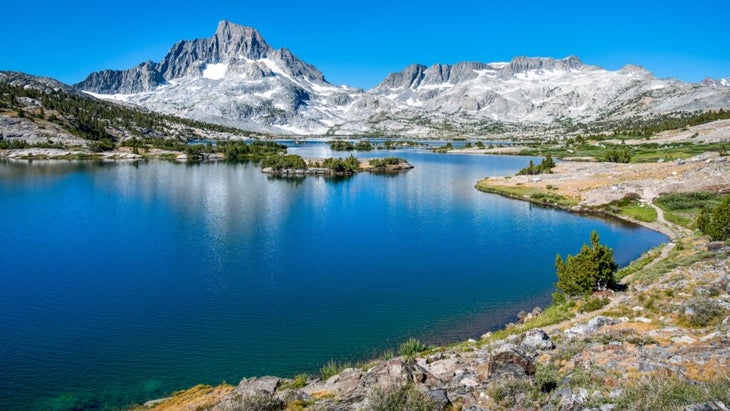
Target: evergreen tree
716, 222
589, 270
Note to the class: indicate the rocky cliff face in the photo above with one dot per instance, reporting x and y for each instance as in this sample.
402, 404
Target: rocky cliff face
144, 77
236, 78
232, 48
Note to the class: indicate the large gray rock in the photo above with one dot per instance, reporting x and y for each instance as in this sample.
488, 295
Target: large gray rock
262, 385
708, 406
510, 361
252, 394
440, 398
537, 339
354, 386
593, 325
573, 400
443, 368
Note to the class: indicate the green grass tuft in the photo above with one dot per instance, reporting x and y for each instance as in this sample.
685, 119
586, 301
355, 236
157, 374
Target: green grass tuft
411, 348
669, 393
332, 368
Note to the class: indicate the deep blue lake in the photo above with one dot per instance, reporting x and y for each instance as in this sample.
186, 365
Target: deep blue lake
121, 282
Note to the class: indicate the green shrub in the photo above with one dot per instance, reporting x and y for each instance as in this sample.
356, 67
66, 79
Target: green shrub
400, 398
342, 165
235, 150
685, 201
593, 304
716, 222
388, 355
411, 348
617, 155
670, 393
508, 392
341, 145
443, 149
299, 381
589, 270
281, 162
545, 167
363, 145
701, 312
546, 377
381, 163
104, 144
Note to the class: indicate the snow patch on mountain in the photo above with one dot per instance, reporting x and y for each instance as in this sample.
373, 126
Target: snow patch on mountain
215, 71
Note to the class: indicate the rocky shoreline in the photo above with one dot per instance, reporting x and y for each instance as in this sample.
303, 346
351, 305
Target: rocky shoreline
667, 333
594, 363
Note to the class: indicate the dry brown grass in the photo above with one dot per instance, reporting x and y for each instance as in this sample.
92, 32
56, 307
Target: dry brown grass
198, 397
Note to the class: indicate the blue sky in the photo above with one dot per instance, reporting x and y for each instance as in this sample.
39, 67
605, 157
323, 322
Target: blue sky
359, 43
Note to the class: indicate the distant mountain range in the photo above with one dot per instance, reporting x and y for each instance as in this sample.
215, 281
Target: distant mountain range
235, 78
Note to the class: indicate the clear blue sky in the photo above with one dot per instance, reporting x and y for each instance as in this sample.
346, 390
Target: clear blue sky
360, 42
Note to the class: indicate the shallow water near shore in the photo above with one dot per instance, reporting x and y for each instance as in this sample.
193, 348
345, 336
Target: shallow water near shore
122, 282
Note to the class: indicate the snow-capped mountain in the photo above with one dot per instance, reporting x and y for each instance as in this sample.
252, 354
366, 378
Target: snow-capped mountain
542, 90
711, 82
233, 78
236, 78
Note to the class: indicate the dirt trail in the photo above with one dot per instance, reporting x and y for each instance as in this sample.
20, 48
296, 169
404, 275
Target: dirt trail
621, 298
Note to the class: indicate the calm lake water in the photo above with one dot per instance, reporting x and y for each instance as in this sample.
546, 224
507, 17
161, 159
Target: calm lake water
123, 282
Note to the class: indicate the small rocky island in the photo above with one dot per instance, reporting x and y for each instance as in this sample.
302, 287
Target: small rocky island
293, 165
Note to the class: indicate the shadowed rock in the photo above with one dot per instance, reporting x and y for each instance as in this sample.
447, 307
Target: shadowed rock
510, 361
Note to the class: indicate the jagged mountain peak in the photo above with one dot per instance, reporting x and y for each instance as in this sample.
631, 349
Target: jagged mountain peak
523, 64
230, 29
417, 75
410, 77
234, 40
233, 49
229, 42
